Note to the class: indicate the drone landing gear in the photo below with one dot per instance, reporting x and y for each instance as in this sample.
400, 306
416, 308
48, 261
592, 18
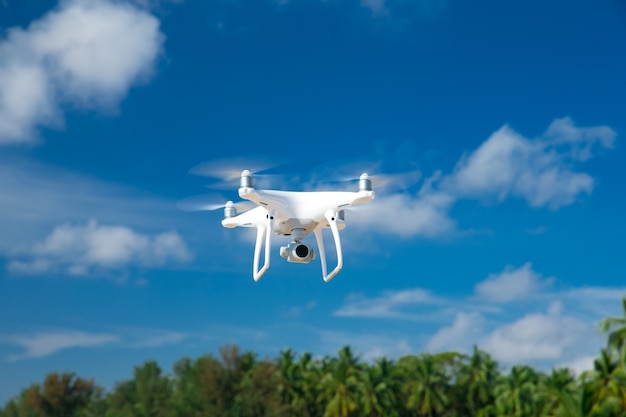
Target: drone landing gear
291, 252
332, 222
263, 232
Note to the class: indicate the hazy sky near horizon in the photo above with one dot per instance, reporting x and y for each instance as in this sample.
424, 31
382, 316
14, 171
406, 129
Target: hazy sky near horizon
509, 114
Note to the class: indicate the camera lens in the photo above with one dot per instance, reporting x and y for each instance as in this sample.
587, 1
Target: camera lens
302, 251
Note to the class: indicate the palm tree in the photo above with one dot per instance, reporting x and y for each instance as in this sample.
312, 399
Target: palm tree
558, 393
604, 387
309, 374
290, 380
426, 384
259, 393
147, 394
340, 385
616, 328
379, 385
476, 380
515, 393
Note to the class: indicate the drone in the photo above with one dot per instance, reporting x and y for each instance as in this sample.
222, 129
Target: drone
295, 214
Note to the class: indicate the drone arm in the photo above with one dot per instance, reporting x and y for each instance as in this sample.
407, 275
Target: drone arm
263, 232
331, 217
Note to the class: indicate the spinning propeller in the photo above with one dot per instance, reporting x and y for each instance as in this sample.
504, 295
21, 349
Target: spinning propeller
225, 172
319, 204
211, 202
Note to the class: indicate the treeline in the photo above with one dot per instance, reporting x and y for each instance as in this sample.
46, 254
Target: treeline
240, 384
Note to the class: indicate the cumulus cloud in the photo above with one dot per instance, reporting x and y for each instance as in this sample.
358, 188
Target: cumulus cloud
539, 171
543, 171
42, 344
580, 364
460, 335
84, 53
544, 339
81, 250
538, 337
512, 284
406, 216
542, 325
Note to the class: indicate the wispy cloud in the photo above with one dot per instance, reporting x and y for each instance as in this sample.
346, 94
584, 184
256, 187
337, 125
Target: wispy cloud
39, 344
37, 198
389, 304
81, 250
153, 338
84, 54
367, 346
403, 9
42, 344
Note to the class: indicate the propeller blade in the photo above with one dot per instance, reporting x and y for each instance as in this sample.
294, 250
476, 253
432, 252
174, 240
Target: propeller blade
209, 202
342, 171
395, 182
226, 172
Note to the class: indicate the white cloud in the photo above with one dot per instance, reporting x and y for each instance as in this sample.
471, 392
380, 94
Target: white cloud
376, 6
508, 164
460, 336
599, 301
512, 284
550, 327
563, 131
541, 171
81, 250
579, 364
388, 305
36, 197
159, 339
538, 337
47, 343
367, 346
296, 311
406, 216
86, 53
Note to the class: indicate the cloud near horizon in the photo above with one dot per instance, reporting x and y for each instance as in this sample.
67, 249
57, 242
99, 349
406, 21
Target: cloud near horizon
83, 54
542, 325
44, 343
47, 343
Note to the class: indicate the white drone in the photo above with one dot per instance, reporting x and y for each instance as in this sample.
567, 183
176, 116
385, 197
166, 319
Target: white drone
295, 214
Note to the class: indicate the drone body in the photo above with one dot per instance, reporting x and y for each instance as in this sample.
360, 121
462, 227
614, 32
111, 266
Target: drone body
295, 214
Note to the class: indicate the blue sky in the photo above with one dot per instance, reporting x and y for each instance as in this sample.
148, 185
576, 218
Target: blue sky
512, 239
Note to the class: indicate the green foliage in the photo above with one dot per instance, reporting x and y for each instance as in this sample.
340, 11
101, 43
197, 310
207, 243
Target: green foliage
239, 384
60, 396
